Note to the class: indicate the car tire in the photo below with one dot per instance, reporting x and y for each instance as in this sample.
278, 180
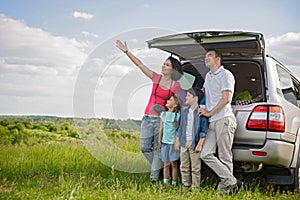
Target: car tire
296, 174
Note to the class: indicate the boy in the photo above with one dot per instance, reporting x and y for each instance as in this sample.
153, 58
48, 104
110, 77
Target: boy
189, 139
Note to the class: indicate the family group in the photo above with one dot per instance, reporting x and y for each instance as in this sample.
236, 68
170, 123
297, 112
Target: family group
200, 126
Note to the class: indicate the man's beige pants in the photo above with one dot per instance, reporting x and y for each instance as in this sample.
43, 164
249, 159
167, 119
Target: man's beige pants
220, 136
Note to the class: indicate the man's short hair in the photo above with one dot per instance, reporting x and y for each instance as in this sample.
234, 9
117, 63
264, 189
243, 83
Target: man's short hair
217, 53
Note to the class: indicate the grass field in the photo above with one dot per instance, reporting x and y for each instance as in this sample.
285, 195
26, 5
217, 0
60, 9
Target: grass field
67, 170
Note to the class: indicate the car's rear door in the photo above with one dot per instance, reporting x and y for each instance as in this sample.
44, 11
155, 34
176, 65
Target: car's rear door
194, 44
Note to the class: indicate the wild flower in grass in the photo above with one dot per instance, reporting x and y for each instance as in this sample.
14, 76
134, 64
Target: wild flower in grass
113, 171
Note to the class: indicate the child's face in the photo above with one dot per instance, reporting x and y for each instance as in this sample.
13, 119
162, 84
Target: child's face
171, 103
190, 99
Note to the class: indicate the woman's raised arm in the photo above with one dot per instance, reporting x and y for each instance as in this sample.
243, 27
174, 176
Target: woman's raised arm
123, 47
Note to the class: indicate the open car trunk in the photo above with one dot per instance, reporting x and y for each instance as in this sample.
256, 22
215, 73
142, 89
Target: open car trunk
242, 54
194, 45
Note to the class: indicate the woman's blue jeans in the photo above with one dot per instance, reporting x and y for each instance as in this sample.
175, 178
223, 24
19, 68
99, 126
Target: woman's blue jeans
148, 144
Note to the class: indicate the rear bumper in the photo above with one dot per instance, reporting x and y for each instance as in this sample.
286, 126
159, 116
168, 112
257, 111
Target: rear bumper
278, 153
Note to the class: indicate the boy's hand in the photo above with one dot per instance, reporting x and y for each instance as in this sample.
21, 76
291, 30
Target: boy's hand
198, 148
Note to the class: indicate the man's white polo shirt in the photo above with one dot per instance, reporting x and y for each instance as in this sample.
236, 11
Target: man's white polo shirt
215, 83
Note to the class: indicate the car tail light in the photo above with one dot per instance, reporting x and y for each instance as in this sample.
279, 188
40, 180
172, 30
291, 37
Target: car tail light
267, 118
259, 153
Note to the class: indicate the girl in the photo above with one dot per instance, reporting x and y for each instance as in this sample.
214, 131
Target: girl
166, 138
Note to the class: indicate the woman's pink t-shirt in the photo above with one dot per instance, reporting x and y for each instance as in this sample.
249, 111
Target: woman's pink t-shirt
161, 95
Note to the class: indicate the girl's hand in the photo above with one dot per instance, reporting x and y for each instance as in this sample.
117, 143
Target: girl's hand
159, 145
177, 144
122, 46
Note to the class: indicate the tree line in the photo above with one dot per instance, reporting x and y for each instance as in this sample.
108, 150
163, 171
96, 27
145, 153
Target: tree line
39, 129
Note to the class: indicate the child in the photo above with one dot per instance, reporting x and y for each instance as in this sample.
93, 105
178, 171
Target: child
189, 139
166, 138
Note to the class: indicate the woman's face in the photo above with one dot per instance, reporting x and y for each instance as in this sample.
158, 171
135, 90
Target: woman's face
167, 68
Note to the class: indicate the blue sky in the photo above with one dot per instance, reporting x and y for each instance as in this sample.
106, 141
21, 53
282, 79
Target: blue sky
44, 44
112, 17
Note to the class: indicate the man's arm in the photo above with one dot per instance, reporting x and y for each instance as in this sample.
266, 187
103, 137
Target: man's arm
226, 98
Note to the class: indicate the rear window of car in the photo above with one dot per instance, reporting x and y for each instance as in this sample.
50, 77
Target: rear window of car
248, 79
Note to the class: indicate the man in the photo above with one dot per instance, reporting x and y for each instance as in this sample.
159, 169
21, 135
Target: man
219, 88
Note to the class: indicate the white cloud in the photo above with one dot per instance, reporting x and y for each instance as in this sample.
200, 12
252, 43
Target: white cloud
88, 34
286, 49
83, 15
37, 69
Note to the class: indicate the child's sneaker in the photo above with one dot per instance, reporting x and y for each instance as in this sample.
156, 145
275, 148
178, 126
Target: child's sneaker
166, 181
174, 183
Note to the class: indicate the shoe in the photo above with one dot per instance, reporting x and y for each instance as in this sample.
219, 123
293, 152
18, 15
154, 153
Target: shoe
174, 183
153, 181
166, 181
236, 188
186, 188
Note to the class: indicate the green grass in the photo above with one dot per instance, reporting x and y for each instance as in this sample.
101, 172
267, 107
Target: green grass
67, 170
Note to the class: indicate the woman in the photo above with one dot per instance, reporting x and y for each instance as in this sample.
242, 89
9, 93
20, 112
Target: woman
164, 86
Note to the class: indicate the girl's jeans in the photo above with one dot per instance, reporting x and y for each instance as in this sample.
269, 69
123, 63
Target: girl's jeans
148, 144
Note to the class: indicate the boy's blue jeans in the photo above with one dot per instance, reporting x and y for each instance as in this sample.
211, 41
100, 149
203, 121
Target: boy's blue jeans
148, 144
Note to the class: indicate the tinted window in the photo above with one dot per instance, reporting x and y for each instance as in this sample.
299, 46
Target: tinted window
286, 85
